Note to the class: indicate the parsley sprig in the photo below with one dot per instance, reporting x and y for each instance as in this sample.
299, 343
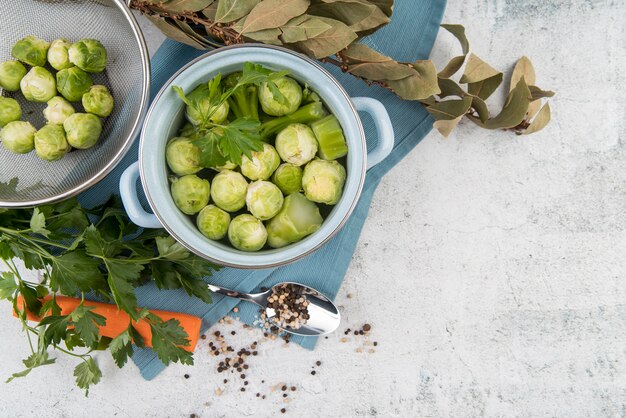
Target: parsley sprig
95, 252
223, 142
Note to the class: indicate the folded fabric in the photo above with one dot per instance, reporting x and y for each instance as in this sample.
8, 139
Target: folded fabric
408, 37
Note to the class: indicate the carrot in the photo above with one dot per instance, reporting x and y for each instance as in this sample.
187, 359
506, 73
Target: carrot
117, 320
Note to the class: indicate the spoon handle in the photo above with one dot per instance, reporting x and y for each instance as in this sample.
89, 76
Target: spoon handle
255, 298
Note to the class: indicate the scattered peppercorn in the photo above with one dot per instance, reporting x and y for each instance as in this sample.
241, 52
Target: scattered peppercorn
319, 363
293, 388
186, 376
367, 327
313, 372
283, 410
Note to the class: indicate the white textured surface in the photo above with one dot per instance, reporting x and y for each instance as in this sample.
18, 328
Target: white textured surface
491, 268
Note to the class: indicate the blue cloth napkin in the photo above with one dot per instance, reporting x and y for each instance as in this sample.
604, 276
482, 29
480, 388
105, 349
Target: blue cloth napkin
408, 37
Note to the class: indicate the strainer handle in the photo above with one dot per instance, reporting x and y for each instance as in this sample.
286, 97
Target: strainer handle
383, 125
130, 199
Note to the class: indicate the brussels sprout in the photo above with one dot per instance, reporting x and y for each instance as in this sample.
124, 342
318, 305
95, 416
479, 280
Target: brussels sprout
228, 165
298, 218
264, 199
18, 137
11, 73
229, 190
10, 110
72, 83
31, 50
50, 143
323, 181
296, 144
288, 103
83, 130
58, 56
197, 115
58, 110
38, 85
247, 233
288, 178
213, 222
88, 55
262, 164
182, 156
190, 193
99, 101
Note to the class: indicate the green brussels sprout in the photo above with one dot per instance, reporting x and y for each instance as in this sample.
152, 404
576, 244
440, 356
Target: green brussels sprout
10, 110
88, 55
298, 218
228, 165
190, 193
83, 130
99, 101
72, 83
18, 137
197, 115
288, 178
182, 156
247, 233
31, 50
213, 222
50, 143
38, 85
296, 144
262, 164
58, 110
229, 190
58, 55
323, 181
264, 199
288, 103
11, 73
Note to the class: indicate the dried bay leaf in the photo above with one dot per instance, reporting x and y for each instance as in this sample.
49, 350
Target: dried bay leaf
191, 32
338, 37
381, 71
363, 53
273, 13
445, 127
452, 67
459, 33
173, 32
302, 28
481, 78
181, 6
350, 13
418, 86
451, 88
523, 68
485, 88
267, 36
385, 5
211, 11
540, 121
514, 110
450, 109
536, 93
231, 10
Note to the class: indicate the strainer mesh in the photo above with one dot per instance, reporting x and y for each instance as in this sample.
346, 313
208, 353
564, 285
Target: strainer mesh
26, 178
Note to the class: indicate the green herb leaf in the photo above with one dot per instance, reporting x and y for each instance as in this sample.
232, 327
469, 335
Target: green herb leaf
38, 223
8, 285
87, 373
97, 246
121, 347
168, 338
210, 152
86, 323
240, 137
74, 271
33, 361
171, 249
121, 278
30, 297
55, 328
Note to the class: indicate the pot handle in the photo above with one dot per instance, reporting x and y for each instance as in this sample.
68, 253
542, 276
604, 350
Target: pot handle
130, 199
383, 126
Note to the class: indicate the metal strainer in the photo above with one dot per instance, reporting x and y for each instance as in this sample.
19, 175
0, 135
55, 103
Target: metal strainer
25, 180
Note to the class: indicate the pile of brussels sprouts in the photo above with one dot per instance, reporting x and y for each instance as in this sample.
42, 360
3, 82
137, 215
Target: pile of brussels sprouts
65, 128
274, 198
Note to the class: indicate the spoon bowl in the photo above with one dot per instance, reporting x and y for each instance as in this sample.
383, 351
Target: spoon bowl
323, 315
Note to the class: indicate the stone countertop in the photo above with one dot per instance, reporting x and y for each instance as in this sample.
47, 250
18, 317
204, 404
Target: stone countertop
492, 267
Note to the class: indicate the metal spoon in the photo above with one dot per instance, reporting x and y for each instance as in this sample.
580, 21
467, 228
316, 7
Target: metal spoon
324, 316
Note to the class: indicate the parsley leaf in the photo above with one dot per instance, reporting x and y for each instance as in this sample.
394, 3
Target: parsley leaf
87, 373
33, 361
168, 338
122, 347
38, 223
97, 246
121, 278
87, 323
74, 271
55, 328
210, 152
171, 249
240, 137
8, 285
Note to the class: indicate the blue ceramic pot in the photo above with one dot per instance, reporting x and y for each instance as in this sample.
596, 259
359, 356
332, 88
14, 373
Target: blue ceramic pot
166, 116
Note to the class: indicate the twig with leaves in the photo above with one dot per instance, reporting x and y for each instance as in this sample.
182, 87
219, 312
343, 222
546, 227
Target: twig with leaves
330, 30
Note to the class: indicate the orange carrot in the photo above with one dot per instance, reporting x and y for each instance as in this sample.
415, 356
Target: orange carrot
117, 320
